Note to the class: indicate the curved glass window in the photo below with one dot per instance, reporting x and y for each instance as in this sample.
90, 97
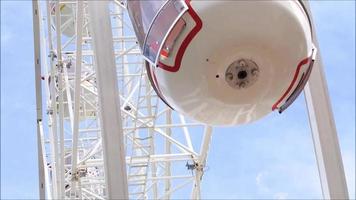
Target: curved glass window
142, 14
152, 21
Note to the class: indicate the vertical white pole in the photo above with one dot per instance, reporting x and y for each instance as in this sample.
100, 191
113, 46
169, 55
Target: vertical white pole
46, 176
152, 135
167, 146
208, 132
53, 116
326, 144
60, 169
37, 58
78, 71
109, 102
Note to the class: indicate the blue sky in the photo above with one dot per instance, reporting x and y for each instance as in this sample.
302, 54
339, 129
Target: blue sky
272, 158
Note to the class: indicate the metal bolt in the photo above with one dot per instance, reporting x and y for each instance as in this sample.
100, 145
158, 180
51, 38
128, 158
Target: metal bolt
242, 63
229, 76
242, 84
254, 71
127, 108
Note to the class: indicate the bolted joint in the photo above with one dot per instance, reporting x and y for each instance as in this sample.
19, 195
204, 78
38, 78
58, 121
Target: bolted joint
49, 111
59, 66
52, 55
80, 172
195, 166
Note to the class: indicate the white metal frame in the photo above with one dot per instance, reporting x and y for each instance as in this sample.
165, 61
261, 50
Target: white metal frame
37, 57
109, 101
322, 123
83, 137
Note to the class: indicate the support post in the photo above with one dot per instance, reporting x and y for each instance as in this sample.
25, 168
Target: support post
51, 92
109, 102
78, 72
59, 69
37, 58
208, 131
167, 146
326, 144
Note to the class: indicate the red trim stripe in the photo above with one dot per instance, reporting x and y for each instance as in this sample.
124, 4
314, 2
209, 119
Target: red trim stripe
152, 77
186, 41
303, 62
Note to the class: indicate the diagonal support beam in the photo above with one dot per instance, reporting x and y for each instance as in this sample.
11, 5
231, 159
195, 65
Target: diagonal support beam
326, 144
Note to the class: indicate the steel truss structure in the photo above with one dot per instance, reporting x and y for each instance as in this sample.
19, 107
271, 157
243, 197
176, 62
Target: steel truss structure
80, 134
106, 134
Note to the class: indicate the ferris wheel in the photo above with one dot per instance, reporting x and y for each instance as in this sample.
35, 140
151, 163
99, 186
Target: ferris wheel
128, 92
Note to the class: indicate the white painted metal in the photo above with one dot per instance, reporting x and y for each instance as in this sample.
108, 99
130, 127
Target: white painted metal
157, 141
322, 123
78, 71
60, 69
37, 57
202, 161
47, 193
212, 92
109, 101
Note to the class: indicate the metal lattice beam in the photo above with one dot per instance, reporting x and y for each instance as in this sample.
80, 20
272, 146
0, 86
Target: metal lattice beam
77, 134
